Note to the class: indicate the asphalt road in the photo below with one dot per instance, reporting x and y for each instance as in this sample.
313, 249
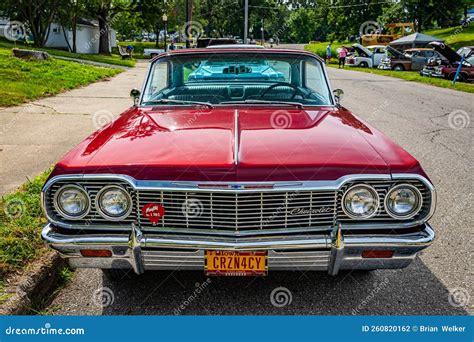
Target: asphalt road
418, 118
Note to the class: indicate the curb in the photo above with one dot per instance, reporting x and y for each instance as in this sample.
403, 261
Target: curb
37, 282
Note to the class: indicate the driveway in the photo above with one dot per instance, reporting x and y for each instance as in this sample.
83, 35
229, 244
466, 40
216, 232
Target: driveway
35, 135
431, 123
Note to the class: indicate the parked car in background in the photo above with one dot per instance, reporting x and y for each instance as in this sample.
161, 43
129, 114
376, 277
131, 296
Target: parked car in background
238, 175
395, 60
466, 51
152, 53
448, 65
366, 56
420, 57
412, 59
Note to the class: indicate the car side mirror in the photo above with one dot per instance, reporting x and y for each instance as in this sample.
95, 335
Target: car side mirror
338, 95
135, 93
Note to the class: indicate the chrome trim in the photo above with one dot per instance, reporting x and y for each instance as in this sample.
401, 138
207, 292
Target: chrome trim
277, 186
58, 207
113, 218
344, 249
348, 213
236, 137
409, 216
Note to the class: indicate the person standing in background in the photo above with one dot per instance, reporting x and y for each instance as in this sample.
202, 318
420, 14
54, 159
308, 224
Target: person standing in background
342, 56
328, 53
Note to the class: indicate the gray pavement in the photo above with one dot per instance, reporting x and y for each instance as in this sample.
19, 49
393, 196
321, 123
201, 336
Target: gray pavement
34, 136
416, 116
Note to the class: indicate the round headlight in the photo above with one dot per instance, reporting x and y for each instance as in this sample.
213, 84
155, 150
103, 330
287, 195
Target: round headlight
403, 201
360, 202
113, 203
72, 202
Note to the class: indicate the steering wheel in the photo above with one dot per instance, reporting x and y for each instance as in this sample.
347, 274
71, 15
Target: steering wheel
280, 84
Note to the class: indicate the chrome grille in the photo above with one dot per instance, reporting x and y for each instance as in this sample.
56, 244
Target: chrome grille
232, 211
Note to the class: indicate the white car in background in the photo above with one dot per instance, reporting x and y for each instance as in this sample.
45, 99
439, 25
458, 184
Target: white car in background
366, 56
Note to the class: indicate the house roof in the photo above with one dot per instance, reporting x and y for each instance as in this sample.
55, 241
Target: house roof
87, 22
417, 38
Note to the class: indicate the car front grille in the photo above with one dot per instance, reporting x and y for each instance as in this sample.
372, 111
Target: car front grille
236, 212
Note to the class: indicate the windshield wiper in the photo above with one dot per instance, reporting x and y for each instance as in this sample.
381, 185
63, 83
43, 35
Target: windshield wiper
296, 104
207, 104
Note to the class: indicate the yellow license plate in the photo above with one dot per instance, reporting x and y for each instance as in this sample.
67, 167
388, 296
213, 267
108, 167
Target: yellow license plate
230, 263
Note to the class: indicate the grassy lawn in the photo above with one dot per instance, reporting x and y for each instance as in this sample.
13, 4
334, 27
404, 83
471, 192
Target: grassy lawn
414, 76
23, 80
455, 37
21, 221
114, 59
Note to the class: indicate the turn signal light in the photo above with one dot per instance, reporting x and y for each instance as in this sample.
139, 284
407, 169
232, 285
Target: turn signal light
377, 254
96, 253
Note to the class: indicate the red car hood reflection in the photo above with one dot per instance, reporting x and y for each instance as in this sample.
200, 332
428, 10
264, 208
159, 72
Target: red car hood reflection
253, 144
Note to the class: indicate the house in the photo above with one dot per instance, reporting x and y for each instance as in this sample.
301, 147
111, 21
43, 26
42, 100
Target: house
87, 37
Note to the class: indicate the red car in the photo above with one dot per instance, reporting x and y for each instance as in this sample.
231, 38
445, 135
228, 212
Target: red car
238, 161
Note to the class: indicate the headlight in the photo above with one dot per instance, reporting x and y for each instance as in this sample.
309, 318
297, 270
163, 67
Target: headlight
360, 202
403, 201
72, 202
113, 203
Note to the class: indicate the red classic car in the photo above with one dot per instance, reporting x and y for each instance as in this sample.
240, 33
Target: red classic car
238, 161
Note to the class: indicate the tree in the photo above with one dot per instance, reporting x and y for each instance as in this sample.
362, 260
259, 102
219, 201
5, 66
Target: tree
105, 11
36, 14
67, 16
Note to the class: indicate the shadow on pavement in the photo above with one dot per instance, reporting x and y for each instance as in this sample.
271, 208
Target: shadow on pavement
411, 291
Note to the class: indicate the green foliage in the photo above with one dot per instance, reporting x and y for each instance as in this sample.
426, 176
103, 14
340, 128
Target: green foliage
24, 80
21, 221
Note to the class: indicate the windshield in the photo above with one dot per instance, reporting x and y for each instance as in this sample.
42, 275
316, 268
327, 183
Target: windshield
223, 78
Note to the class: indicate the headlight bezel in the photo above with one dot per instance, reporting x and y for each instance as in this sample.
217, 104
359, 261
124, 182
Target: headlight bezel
58, 207
376, 198
414, 212
101, 212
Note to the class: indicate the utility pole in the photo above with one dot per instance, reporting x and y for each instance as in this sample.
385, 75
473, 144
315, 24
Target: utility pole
246, 21
189, 19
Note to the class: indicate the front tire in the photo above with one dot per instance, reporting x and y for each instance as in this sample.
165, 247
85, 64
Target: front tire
363, 65
398, 67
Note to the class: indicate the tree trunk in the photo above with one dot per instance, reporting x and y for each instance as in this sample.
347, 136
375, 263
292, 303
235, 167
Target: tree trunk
104, 41
66, 38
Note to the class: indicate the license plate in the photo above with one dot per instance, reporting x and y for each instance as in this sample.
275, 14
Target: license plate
230, 263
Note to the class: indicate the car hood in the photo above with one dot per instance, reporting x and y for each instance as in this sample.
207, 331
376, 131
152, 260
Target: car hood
248, 144
359, 48
396, 54
446, 51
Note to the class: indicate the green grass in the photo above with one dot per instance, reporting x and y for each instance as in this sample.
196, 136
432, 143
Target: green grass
455, 37
26, 80
414, 76
114, 59
21, 221
3, 296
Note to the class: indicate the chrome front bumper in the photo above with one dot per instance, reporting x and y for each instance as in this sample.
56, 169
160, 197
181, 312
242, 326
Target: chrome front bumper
321, 252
